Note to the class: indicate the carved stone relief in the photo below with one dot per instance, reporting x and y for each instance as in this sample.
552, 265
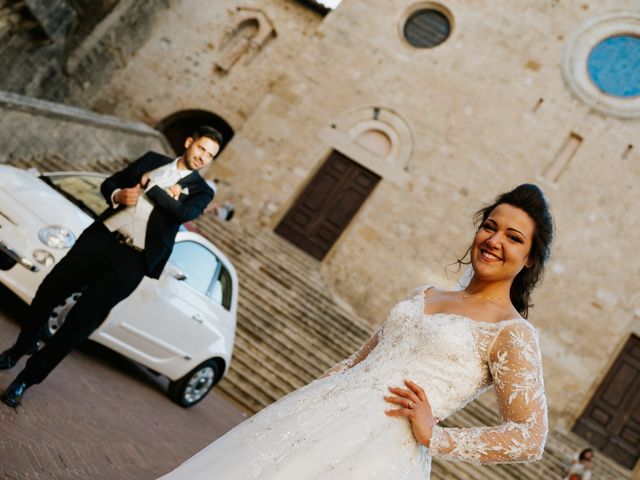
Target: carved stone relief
249, 31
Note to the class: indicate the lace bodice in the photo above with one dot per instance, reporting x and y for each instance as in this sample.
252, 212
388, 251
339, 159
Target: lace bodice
461, 358
335, 427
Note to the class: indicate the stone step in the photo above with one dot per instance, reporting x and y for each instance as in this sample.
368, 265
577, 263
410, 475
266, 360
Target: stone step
280, 253
565, 444
296, 287
267, 245
296, 329
250, 395
294, 349
277, 371
299, 295
326, 332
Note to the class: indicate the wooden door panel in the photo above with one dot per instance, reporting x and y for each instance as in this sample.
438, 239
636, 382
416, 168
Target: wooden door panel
345, 208
631, 435
621, 381
301, 218
611, 422
319, 191
327, 204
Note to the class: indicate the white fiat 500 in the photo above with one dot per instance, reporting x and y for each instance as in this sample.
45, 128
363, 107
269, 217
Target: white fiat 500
181, 325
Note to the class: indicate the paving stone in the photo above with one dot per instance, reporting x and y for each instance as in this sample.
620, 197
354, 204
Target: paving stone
97, 416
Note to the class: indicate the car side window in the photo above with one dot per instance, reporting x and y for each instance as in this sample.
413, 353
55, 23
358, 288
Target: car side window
197, 262
222, 288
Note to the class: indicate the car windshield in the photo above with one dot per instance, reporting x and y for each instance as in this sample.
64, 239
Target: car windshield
83, 189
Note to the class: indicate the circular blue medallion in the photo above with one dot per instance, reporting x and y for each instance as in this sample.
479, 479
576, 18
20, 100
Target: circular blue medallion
614, 66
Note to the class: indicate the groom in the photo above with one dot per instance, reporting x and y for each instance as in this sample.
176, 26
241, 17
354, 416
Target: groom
149, 200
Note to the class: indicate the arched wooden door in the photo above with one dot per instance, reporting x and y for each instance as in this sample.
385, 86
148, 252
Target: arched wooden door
327, 204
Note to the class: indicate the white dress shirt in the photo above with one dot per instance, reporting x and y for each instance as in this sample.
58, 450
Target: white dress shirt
132, 221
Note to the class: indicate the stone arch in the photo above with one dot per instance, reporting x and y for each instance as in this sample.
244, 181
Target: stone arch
248, 33
384, 121
375, 137
179, 125
376, 141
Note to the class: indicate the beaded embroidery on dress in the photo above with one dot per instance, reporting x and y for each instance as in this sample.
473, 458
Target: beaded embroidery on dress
335, 427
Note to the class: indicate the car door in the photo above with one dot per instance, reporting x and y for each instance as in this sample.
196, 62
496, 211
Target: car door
175, 316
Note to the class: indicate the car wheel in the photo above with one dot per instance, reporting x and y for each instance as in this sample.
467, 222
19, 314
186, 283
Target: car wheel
59, 314
195, 385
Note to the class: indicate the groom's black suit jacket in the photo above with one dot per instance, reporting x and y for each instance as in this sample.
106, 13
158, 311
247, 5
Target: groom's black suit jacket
168, 213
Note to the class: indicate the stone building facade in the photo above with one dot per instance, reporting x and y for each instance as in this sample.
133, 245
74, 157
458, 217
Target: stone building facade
505, 98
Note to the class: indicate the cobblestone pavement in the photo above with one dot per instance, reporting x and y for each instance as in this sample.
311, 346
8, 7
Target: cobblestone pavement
98, 416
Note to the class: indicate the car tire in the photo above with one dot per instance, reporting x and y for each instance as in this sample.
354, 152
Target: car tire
58, 315
195, 385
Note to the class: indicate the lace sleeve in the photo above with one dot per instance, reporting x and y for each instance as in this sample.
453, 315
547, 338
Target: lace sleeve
515, 363
355, 358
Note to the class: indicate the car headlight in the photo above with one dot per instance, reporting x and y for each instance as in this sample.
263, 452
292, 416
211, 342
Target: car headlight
55, 236
43, 257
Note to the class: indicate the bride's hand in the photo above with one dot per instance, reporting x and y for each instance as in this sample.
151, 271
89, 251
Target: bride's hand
416, 407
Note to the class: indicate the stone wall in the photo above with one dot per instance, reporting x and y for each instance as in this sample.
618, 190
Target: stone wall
32, 129
62, 50
177, 68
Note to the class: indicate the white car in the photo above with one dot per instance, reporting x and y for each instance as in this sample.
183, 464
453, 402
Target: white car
181, 325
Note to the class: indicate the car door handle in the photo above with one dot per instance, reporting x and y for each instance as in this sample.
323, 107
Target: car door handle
197, 317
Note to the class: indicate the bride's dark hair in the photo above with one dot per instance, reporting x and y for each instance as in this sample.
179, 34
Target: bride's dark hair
530, 199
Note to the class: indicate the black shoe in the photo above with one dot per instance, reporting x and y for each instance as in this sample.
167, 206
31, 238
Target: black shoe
10, 357
12, 396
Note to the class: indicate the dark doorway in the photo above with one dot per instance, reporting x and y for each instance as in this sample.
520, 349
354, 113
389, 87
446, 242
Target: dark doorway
178, 126
327, 205
611, 422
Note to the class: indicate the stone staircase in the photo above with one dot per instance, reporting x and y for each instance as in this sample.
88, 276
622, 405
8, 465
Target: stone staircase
290, 330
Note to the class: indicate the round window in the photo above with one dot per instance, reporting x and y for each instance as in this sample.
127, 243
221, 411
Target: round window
614, 66
601, 63
427, 28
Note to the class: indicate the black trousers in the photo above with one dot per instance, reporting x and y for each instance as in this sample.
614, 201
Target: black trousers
106, 270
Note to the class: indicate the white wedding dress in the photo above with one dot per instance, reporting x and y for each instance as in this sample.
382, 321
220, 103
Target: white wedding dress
335, 427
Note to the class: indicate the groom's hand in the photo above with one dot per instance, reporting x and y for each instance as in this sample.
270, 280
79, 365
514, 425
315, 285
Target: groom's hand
128, 196
144, 181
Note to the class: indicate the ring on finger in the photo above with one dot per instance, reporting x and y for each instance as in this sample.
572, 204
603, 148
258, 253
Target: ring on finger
410, 405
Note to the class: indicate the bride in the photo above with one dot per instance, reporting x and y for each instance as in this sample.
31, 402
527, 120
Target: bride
375, 415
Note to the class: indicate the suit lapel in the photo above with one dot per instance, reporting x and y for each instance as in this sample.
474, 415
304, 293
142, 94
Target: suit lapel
190, 179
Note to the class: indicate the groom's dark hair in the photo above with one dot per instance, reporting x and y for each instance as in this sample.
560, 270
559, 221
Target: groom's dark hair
209, 132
